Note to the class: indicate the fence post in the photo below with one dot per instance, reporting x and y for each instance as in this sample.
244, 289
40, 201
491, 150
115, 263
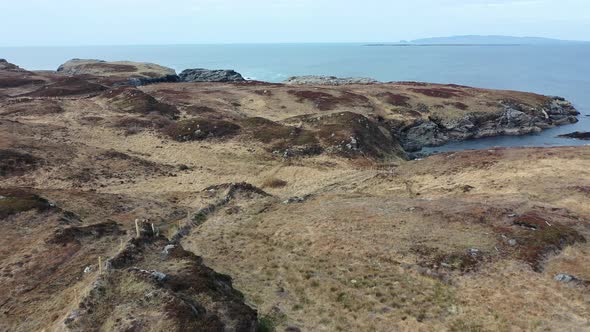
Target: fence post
137, 227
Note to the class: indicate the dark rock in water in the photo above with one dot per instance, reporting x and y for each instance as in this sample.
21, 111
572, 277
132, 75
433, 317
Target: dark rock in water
206, 75
577, 135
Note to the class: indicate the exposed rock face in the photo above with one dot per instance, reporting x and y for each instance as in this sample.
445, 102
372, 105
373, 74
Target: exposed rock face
328, 80
352, 135
514, 119
206, 75
7, 66
577, 135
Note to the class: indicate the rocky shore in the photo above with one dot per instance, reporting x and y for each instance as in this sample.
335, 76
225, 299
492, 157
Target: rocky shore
412, 115
328, 80
511, 119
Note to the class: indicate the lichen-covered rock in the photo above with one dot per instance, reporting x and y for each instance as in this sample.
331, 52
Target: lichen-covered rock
206, 75
328, 80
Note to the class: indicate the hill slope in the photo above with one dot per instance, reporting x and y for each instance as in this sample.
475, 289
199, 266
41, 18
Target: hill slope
274, 207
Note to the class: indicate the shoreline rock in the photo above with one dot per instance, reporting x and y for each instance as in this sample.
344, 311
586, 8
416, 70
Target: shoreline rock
328, 80
514, 120
207, 75
581, 135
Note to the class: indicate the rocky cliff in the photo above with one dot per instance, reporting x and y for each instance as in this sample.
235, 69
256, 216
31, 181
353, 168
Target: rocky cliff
511, 118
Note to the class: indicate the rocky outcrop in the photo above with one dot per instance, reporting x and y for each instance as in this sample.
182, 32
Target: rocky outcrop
328, 80
577, 135
206, 75
123, 69
512, 119
353, 135
7, 66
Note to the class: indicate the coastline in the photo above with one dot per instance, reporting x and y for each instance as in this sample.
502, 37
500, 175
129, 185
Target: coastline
416, 115
238, 203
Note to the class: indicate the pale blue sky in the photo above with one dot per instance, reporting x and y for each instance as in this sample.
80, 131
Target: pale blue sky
94, 22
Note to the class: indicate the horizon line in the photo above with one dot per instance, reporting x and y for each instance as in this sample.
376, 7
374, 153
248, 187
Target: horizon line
366, 43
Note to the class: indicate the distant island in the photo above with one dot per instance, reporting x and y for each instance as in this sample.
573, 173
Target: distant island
481, 40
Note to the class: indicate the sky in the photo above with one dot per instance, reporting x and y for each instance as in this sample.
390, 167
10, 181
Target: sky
140, 22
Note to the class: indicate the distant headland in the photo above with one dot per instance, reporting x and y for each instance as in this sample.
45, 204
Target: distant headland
480, 40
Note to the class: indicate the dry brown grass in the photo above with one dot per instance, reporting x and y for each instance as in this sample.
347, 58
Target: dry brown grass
374, 247
272, 182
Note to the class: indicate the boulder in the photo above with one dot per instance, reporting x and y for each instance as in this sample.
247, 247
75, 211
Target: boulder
206, 75
565, 278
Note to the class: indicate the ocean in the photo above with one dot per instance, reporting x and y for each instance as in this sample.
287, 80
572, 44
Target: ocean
562, 70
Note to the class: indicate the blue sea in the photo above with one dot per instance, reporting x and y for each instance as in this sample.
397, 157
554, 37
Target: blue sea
562, 70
